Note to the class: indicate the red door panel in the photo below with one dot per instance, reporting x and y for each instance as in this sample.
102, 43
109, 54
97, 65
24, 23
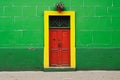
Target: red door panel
66, 47
53, 47
59, 47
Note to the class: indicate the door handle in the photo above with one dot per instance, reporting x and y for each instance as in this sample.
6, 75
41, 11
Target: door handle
59, 45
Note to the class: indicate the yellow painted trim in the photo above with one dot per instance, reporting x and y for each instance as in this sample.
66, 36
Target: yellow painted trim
46, 40
72, 39
72, 36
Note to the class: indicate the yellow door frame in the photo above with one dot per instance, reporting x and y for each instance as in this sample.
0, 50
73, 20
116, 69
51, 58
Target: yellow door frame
72, 36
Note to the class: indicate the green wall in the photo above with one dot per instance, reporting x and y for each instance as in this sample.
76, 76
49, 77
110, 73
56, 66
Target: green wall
97, 33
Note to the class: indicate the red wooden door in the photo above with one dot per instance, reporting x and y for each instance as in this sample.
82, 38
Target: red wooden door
59, 46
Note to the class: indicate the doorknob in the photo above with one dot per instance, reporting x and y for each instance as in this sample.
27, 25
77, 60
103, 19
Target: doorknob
59, 45
54, 39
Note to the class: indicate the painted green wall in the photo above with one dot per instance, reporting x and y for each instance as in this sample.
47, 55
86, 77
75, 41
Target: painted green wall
97, 33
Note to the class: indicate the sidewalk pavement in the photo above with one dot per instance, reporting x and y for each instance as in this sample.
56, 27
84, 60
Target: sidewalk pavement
74, 75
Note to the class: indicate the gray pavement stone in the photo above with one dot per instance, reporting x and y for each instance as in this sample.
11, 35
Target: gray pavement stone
77, 75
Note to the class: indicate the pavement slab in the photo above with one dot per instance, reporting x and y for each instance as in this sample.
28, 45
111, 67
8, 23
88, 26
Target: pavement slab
74, 75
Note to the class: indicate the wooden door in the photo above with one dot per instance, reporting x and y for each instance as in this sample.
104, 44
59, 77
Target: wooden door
59, 47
